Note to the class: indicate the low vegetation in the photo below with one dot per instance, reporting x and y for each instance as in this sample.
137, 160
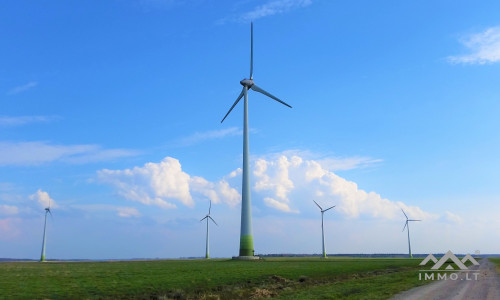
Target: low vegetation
283, 278
496, 261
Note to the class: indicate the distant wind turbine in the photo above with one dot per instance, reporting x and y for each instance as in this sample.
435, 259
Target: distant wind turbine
407, 225
322, 227
47, 211
246, 237
208, 217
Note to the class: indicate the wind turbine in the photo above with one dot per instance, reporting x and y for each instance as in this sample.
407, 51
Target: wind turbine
408, 225
322, 228
47, 211
208, 217
246, 237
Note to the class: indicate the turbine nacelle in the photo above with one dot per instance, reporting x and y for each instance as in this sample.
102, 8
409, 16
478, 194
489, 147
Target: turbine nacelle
248, 83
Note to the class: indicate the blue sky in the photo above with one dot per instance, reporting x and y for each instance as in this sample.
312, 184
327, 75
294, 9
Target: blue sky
112, 109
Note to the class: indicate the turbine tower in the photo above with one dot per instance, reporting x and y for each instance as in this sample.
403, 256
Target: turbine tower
322, 228
407, 225
47, 211
208, 217
246, 237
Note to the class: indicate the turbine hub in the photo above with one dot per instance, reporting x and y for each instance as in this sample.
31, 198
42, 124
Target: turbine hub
247, 82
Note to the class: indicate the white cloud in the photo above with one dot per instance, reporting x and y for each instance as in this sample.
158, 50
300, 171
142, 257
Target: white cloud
35, 153
23, 120
485, 47
278, 205
127, 212
268, 9
43, 199
273, 8
198, 137
454, 218
162, 183
22, 88
121, 211
235, 173
8, 210
287, 181
349, 163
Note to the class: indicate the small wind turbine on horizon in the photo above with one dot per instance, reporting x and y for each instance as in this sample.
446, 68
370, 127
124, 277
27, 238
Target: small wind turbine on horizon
208, 217
322, 227
47, 211
246, 237
407, 225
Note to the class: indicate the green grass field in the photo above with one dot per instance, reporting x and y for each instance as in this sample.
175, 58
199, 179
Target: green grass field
282, 278
496, 260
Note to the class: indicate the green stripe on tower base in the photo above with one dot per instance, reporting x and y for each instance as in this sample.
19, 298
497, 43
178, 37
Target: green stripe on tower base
246, 245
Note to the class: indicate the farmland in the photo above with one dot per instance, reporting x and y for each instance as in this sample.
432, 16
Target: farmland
287, 278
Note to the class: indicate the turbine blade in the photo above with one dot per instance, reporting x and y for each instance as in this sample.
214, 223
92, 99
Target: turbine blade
258, 89
210, 207
213, 220
235, 102
204, 218
406, 223
414, 220
329, 208
318, 205
404, 214
251, 50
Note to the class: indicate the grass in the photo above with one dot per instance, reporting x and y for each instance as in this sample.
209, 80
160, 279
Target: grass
284, 278
496, 261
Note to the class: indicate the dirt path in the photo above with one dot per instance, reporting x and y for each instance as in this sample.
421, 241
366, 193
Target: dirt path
487, 286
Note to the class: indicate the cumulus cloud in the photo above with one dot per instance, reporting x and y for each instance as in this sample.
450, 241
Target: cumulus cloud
283, 182
35, 153
22, 88
43, 199
8, 210
270, 8
287, 181
485, 47
162, 184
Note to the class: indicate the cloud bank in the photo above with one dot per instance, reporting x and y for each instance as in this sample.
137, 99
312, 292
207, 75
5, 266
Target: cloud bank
284, 183
290, 182
162, 184
485, 47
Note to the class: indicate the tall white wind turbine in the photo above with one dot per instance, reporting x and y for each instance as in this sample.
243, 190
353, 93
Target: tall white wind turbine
208, 217
246, 237
407, 225
322, 227
47, 211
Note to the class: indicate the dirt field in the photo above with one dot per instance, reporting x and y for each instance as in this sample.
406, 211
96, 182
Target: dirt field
487, 286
